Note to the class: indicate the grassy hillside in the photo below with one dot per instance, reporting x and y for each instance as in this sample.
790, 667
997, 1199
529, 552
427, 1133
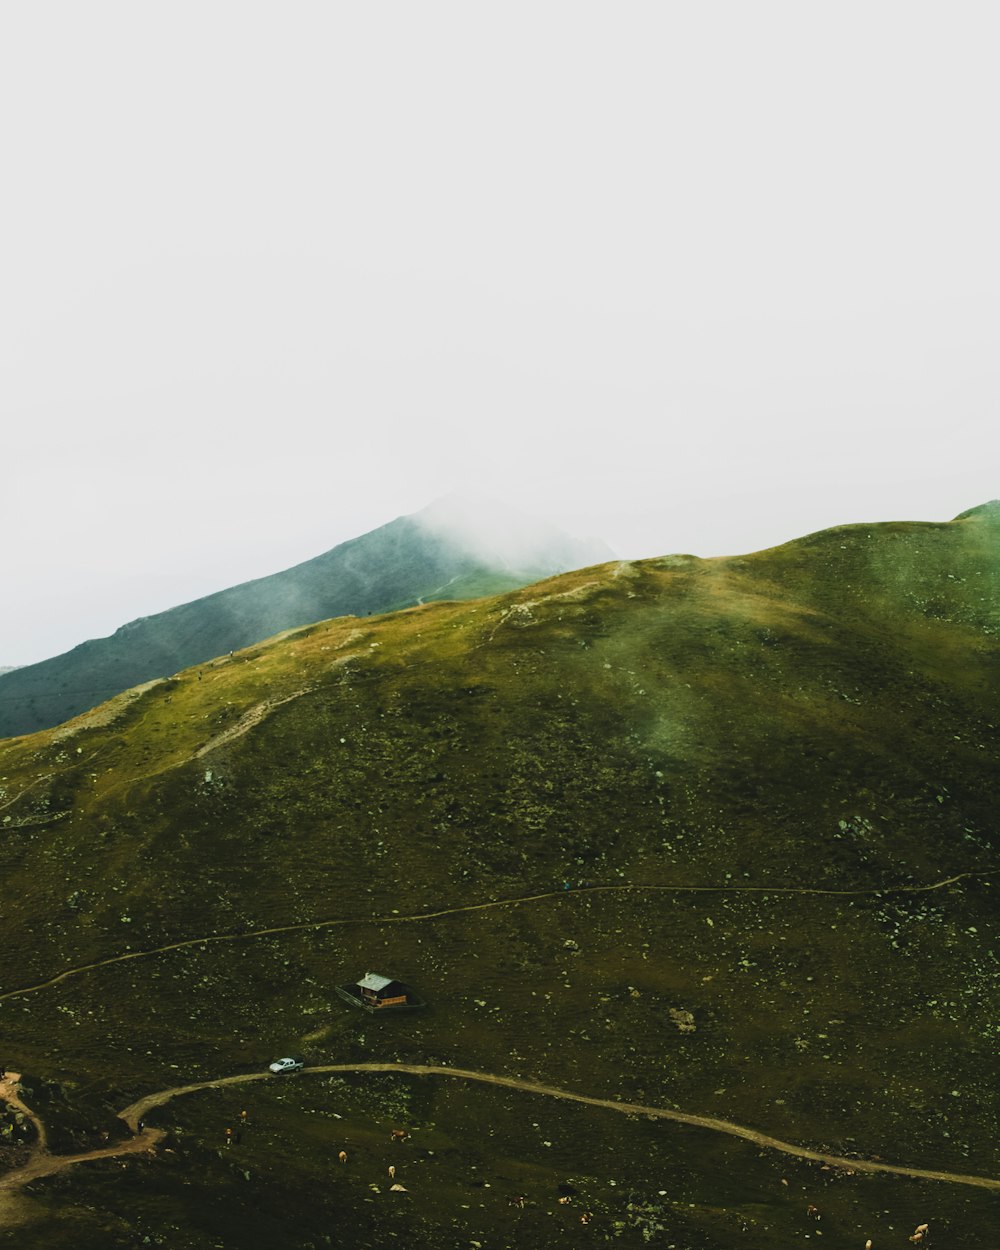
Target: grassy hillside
817, 717
411, 560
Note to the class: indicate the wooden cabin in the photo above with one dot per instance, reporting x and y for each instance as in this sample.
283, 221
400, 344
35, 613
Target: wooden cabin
375, 993
378, 991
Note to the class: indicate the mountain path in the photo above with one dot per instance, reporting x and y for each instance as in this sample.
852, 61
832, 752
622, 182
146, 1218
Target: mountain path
437, 590
43, 1163
9, 1093
586, 891
30, 786
246, 722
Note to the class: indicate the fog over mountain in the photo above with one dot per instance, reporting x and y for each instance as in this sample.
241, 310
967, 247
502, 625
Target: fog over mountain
454, 549
502, 538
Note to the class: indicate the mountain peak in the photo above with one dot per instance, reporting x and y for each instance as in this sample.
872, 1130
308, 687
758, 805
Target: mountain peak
457, 548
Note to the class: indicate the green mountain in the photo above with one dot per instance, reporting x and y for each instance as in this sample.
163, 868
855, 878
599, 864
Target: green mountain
452, 549
709, 838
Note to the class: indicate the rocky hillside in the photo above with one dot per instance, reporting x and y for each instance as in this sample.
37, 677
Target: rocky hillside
789, 760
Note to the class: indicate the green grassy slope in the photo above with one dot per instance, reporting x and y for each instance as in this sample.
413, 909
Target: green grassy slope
820, 715
397, 565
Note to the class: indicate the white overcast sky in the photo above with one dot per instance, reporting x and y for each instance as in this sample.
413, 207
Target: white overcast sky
690, 276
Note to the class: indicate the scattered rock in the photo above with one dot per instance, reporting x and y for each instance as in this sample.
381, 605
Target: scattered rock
684, 1020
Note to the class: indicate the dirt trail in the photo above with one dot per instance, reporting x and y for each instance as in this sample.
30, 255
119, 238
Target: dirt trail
9, 1094
431, 593
246, 722
306, 925
30, 786
42, 1163
132, 1114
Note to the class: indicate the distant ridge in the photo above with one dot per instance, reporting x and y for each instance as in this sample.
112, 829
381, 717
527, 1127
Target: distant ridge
454, 549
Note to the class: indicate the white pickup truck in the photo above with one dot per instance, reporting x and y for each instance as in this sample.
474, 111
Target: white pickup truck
285, 1065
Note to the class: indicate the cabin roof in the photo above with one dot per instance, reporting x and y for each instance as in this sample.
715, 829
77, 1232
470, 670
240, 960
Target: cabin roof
372, 981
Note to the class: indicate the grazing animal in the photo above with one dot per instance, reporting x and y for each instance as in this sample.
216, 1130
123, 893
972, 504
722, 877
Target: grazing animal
398, 1134
392, 1172
342, 1156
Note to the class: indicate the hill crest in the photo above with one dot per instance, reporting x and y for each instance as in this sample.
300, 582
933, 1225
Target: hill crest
439, 553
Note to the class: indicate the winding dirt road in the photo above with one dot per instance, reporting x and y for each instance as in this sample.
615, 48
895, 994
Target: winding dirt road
133, 1113
43, 1163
